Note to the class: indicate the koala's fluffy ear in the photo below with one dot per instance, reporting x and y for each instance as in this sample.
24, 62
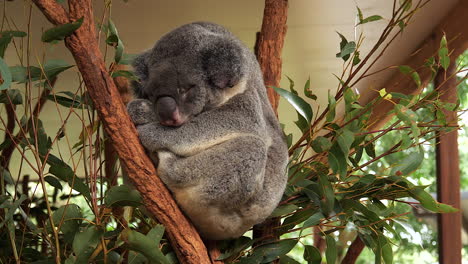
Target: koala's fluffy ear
140, 66
222, 62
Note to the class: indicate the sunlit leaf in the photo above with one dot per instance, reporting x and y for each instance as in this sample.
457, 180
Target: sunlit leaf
444, 58
301, 106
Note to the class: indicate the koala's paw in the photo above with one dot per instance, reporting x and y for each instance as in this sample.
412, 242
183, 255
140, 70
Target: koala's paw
141, 111
149, 137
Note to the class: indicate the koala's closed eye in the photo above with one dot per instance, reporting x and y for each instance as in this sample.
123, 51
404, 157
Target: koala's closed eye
221, 149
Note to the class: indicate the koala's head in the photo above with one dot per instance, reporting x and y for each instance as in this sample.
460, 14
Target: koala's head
190, 70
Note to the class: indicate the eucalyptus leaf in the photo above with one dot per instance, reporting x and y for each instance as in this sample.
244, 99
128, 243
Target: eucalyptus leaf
444, 58
11, 95
68, 218
5, 75
144, 245
301, 106
312, 255
62, 31
5, 39
330, 252
53, 182
122, 195
85, 243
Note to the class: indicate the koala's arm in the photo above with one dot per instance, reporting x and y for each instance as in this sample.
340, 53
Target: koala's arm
204, 131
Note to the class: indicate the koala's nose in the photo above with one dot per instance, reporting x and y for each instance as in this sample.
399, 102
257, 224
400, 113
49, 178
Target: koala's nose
168, 112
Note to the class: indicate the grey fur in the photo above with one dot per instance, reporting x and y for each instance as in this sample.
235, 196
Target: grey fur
226, 163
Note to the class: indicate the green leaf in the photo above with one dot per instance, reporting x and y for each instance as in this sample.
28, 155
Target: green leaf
13, 95
145, 245
328, 193
321, 144
19, 74
412, 73
356, 59
114, 40
122, 195
53, 67
285, 259
312, 255
65, 173
127, 74
370, 149
5, 75
301, 106
445, 208
296, 218
272, 251
70, 218
85, 243
386, 249
330, 252
284, 210
313, 220
12, 206
331, 108
337, 160
127, 58
156, 233
53, 182
5, 39
62, 31
73, 101
360, 16
349, 48
407, 4
344, 44
409, 164
308, 92
444, 58
238, 245
370, 19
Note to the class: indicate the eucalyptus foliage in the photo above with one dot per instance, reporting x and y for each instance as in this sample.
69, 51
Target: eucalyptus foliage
341, 187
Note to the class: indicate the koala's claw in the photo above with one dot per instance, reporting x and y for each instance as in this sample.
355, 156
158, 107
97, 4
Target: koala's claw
141, 111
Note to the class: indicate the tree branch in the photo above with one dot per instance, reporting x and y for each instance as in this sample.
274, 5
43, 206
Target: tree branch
117, 124
269, 46
353, 252
457, 35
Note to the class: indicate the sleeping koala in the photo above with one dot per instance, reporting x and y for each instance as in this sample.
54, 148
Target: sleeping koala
204, 116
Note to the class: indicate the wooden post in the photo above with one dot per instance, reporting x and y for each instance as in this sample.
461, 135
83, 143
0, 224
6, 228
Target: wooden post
448, 174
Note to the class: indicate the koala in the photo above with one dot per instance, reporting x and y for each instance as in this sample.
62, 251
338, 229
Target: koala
203, 115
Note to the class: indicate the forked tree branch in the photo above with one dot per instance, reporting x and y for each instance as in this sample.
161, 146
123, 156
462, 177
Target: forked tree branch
101, 88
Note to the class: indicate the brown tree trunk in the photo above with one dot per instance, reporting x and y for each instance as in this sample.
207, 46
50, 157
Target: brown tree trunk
354, 251
101, 88
269, 46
